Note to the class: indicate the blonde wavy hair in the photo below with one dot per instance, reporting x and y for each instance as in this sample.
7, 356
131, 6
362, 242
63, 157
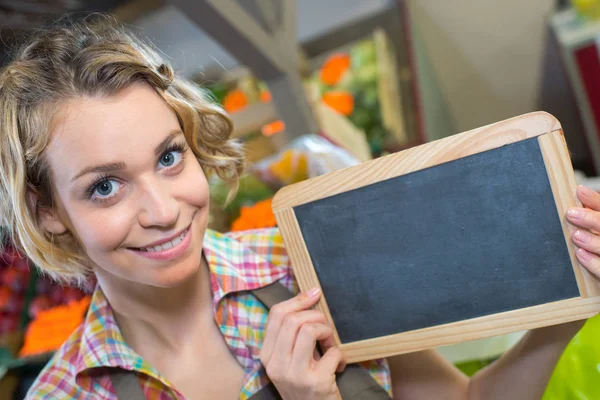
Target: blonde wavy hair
93, 57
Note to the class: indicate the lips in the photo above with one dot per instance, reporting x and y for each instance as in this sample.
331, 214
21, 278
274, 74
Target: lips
171, 248
164, 244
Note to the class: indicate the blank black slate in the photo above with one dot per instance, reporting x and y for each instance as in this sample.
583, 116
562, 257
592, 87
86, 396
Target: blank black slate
472, 237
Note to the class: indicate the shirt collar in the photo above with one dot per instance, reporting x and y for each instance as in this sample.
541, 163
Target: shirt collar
233, 266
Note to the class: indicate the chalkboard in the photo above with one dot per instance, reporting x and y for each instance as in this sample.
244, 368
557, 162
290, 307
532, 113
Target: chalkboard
440, 245
454, 240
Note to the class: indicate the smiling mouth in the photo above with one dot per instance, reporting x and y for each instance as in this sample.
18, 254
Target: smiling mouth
165, 245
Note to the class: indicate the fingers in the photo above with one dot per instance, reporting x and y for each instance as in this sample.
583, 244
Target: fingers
277, 315
589, 260
588, 217
330, 361
290, 329
308, 336
584, 218
307, 339
589, 198
587, 241
288, 351
325, 345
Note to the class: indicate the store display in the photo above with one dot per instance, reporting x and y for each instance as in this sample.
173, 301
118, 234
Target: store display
52, 326
30, 306
577, 41
587, 8
15, 274
257, 216
348, 83
306, 157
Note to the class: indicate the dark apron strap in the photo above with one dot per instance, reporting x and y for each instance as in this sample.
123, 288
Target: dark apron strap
127, 387
272, 294
126, 384
355, 383
266, 393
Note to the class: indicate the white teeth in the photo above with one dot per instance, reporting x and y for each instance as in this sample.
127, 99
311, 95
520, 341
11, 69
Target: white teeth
158, 247
165, 246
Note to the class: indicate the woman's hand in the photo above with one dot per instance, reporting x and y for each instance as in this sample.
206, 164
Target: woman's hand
587, 238
288, 352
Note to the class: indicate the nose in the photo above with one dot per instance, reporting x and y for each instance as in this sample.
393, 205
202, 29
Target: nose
158, 207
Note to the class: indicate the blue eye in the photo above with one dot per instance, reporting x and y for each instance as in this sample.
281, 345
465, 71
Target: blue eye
170, 159
106, 189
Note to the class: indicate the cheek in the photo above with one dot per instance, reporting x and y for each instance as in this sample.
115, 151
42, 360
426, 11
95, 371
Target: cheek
194, 188
98, 233
96, 229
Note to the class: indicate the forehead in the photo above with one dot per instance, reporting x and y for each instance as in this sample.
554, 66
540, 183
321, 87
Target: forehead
89, 131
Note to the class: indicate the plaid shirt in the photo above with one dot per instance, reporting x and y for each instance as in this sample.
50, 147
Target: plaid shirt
238, 262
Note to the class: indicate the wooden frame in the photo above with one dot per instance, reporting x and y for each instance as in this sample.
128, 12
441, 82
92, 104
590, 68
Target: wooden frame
558, 165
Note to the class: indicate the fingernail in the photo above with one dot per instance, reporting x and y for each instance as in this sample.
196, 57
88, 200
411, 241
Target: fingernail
313, 292
584, 255
583, 236
574, 214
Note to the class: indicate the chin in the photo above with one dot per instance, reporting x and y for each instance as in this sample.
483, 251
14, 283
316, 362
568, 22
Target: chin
177, 275
181, 271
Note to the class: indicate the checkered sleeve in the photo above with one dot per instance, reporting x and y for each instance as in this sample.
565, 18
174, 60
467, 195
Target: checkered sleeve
269, 244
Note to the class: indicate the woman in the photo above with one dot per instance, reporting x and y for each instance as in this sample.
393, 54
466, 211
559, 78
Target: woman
104, 154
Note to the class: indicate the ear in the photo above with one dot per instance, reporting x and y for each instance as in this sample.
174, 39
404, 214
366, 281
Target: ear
50, 220
46, 215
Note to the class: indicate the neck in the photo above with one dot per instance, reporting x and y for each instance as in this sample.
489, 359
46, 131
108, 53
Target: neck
162, 317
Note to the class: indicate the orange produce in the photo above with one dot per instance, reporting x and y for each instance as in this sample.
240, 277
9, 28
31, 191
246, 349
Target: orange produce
260, 215
235, 101
273, 128
265, 96
52, 327
334, 68
340, 101
291, 167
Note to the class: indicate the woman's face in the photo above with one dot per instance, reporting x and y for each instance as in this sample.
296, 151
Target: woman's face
128, 186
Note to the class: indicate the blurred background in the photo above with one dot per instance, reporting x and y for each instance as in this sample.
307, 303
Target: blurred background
314, 86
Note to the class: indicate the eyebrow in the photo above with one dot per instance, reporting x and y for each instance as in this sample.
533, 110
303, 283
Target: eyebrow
119, 166
164, 145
